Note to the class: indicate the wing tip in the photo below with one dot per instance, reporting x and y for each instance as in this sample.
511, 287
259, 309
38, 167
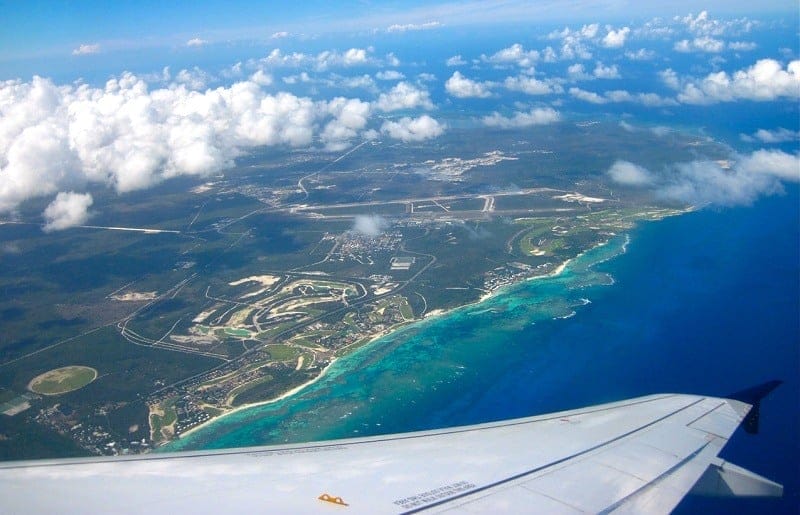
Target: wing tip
753, 397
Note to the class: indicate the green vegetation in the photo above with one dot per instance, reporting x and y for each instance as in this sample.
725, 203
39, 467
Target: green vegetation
62, 380
282, 352
237, 332
60, 289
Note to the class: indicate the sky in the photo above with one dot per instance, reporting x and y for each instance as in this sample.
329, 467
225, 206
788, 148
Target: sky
126, 95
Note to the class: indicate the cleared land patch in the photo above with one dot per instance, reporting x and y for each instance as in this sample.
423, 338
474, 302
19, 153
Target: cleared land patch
62, 380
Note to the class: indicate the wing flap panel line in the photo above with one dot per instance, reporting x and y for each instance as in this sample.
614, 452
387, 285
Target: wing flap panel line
530, 472
655, 482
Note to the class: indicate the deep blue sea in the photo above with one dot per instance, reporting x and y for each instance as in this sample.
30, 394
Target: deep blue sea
707, 302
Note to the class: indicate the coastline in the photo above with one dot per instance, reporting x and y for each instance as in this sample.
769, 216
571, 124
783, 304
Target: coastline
436, 313
243, 407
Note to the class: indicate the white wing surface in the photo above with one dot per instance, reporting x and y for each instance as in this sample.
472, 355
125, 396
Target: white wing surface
639, 456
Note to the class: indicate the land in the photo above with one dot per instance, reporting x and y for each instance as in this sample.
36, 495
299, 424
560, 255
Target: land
62, 380
246, 286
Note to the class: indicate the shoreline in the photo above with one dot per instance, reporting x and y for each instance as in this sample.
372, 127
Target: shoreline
428, 316
243, 407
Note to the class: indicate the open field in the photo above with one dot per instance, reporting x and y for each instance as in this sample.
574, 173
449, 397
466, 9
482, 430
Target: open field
62, 380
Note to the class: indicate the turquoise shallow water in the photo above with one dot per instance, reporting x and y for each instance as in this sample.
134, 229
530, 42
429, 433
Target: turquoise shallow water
382, 387
707, 302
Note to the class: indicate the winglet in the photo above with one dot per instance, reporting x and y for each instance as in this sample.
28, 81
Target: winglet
753, 397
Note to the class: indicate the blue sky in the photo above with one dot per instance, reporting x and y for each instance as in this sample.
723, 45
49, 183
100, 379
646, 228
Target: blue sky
36, 28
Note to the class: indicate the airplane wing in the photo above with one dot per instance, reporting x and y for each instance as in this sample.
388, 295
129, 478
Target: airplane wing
636, 456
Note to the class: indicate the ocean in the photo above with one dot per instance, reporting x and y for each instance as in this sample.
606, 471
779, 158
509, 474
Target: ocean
707, 302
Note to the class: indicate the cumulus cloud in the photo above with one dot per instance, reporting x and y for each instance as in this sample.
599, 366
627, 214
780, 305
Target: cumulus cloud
413, 26
573, 43
702, 44
456, 60
462, 87
531, 85
67, 210
195, 78
369, 225
538, 116
629, 174
321, 61
389, 75
619, 95
404, 96
766, 80
742, 46
616, 38
196, 42
772, 163
86, 49
361, 81
779, 135
60, 138
413, 129
261, 78
670, 78
515, 54
640, 55
350, 116
716, 182
606, 72
703, 24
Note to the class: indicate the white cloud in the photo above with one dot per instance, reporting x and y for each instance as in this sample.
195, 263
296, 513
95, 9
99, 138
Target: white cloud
540, 116
766, 80
703, 24
578, 72
531, 85
773, 163
322, 61
124, 135
295, 79
462, 87
702, 44
515, 54
587, 96
280, 35
606, 72
389, 75
404, 96
261, 78
629, 174
616, 38
413, 129
370, 225
590, 31
350, 116
619, 95
716, 182
86, 49
640, 55
456, 60
195, 78
413, 26
360, 81
670, 78
742, 46
196, 42
67, 210
779, 135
